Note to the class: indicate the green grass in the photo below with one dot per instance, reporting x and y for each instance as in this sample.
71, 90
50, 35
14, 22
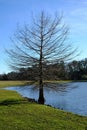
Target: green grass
18, 114
12, 83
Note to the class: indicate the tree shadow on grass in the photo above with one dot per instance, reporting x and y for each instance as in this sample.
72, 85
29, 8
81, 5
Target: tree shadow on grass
11, 102
14, 102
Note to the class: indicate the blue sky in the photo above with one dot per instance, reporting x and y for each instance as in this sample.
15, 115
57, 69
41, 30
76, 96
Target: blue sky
19, 11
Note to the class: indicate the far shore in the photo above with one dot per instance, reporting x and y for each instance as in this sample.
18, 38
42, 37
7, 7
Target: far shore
8, 83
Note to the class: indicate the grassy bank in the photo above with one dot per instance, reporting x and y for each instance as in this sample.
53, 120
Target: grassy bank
18, 114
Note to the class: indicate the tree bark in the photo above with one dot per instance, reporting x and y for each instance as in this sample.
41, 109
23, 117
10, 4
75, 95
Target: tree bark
41, 98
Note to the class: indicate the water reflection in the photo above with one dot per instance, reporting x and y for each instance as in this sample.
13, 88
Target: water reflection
70, 97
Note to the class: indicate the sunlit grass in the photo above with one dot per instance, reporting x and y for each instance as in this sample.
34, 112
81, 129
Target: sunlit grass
12, 83
58, 81
7, 96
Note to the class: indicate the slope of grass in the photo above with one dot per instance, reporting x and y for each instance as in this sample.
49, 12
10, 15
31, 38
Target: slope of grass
18, 114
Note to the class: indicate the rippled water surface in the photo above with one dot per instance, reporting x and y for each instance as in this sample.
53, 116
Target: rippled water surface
70, 97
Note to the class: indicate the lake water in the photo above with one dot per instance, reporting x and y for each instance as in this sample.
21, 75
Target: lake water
70, 97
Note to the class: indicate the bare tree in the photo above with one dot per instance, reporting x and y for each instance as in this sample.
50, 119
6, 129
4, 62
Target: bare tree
42, 43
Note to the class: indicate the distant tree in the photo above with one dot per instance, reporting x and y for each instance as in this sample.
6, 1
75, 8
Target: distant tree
41, 44
4, 77
73, 70
12, 76
83, 68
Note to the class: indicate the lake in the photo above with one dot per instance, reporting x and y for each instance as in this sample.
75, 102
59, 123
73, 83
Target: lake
70, 97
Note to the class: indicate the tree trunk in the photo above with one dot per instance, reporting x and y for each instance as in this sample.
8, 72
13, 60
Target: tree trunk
41, 98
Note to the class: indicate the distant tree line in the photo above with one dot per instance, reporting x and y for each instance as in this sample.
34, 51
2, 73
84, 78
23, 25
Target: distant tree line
75, 70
